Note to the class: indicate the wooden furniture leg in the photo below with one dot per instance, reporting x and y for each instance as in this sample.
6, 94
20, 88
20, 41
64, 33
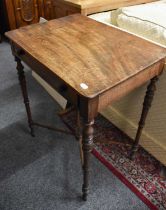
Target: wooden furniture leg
163, 173
79, 136
146, 106
68, 105
22, 80
87, 144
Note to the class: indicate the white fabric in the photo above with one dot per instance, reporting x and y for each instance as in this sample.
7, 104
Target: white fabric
42, 20
104, 17
147, 20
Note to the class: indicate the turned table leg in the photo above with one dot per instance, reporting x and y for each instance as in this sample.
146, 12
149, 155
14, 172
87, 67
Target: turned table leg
79, 136
87, 144
146, 106
22, 80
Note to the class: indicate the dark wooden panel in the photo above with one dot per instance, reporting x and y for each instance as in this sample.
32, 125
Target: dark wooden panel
26, 12
4, 25
61, 9
48, 9
18, 13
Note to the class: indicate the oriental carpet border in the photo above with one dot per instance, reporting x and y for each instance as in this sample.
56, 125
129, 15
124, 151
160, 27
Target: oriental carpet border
111, 147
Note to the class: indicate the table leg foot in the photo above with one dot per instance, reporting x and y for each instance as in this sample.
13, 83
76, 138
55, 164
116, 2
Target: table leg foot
87, 144
163, 173
146, 106
22, 80
32, 131
84, 195
133, 152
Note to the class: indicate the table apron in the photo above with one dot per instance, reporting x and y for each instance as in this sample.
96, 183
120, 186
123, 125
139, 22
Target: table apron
56, 83
103, 99
132, 83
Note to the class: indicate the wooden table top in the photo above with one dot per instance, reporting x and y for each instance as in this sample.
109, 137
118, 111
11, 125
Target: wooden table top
111, 4
89, 56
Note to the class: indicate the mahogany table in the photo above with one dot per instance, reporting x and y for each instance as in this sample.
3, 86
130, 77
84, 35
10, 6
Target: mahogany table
90, 64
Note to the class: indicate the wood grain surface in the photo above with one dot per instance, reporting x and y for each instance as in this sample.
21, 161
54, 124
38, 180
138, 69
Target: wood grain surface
82, 51
101, 3
93, 6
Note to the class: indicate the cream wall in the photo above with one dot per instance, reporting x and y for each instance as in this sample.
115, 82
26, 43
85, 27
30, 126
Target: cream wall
125, 114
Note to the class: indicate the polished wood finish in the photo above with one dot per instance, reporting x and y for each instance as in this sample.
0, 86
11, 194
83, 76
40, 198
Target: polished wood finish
26, 12
9, 14
48, 9
146, 106
90, 60
89, 63
63, 8
86, 7
18, 13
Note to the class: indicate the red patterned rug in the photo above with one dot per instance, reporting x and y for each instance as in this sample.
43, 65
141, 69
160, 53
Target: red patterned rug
142, 175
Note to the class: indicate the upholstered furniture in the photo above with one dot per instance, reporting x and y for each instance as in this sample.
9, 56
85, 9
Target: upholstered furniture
148, 20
